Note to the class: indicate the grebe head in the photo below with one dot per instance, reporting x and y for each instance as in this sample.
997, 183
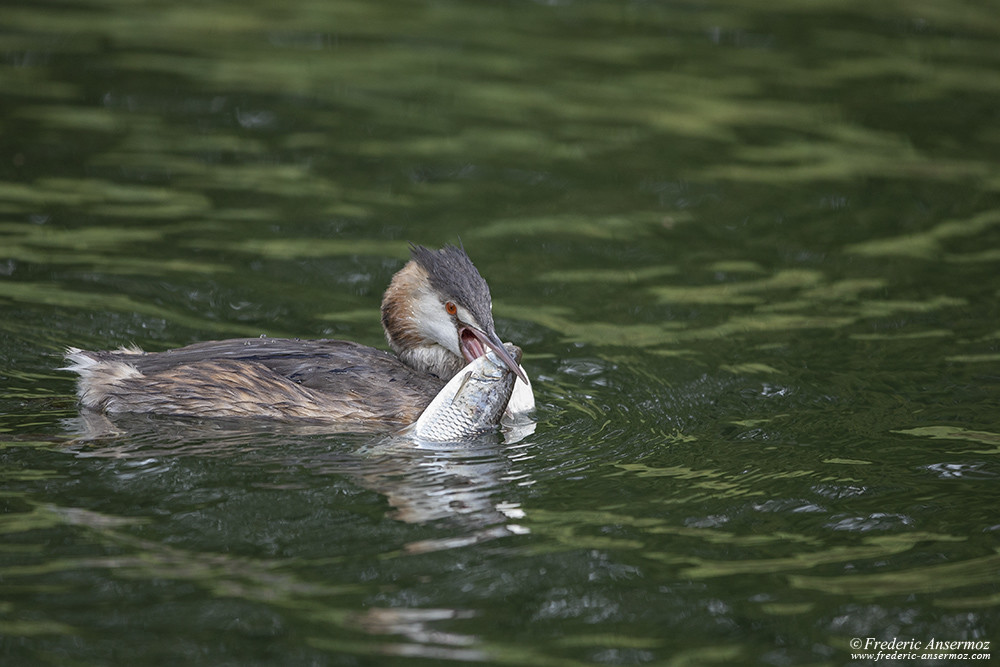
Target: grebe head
438, 314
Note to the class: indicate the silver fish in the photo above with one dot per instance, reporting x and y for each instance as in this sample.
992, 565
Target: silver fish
471, 403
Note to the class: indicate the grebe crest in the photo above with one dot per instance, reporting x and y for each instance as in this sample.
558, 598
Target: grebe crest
438, 313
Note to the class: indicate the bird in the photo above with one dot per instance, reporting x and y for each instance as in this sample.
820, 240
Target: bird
437, 316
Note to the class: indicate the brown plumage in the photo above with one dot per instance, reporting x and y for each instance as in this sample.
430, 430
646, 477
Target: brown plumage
314, 380
436, 314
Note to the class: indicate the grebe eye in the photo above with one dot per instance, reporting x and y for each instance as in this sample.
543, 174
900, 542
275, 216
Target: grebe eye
451, 307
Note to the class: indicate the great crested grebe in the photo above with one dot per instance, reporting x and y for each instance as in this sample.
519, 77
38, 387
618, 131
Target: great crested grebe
437, 316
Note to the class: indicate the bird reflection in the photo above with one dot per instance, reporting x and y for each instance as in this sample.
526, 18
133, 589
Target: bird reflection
463, 484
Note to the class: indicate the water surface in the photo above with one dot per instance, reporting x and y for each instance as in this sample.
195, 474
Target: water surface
750, 250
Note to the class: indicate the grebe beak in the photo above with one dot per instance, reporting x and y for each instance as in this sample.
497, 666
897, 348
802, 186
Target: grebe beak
474, 348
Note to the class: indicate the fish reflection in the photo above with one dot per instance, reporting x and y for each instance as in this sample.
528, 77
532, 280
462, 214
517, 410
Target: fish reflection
462, 483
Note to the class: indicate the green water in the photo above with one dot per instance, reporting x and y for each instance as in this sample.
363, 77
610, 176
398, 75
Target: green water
751, 252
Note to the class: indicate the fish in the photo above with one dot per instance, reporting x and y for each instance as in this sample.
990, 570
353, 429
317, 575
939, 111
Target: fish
471, 403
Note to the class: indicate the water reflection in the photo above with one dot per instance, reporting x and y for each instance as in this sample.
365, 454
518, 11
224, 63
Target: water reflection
416, 625
456, 481
461, 482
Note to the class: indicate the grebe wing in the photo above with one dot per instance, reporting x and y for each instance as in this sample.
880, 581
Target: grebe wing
322, 380
322, 365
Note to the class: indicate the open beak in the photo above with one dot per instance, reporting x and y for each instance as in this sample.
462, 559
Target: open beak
474, 348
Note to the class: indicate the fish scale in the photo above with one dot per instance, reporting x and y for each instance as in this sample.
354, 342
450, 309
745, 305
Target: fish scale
472, 402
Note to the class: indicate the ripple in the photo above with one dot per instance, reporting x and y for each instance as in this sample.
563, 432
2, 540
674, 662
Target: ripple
874, 521
960, 471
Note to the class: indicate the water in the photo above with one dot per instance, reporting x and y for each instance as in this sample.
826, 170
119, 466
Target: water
749, 249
